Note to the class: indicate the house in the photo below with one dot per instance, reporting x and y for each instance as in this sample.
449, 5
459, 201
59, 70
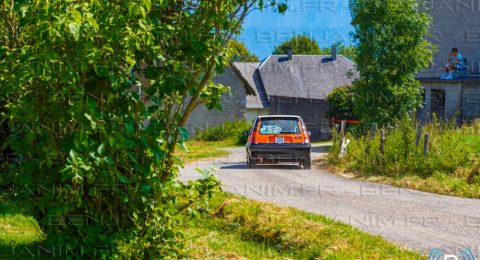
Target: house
454, 24
234, 104
297, 85
281, 84
257, 104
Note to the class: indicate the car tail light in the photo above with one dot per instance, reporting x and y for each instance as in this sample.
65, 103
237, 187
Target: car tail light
306, 137
254, 131
254, 138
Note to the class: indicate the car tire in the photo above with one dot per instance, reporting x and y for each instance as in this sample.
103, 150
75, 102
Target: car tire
250, 162
307, 164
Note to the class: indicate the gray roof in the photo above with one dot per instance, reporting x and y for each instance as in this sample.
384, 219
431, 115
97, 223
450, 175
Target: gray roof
248, 71
306, 76
249, 87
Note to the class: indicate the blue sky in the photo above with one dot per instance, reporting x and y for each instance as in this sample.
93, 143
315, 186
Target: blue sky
328, 21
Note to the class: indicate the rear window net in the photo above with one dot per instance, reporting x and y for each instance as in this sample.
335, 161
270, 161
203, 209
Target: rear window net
270, 126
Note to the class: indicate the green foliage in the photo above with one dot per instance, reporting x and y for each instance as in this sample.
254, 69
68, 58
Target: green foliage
300, 44
257, 230
18, 229
70, 76
226, 131
349, 51
241, 53
340, 102
197, 150
240, 228
306, 45
452, 153
392, 49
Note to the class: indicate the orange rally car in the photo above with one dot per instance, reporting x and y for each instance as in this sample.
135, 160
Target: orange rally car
276, 139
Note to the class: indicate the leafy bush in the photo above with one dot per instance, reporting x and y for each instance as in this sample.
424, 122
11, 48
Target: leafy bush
226, 131
452, 152
340, 102
94, 173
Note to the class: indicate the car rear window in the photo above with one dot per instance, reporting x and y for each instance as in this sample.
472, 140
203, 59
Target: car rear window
279, 126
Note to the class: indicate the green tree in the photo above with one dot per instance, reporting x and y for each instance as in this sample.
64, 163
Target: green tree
96, 94
300, 44
390, 37
348, 51
341, 103
240, 53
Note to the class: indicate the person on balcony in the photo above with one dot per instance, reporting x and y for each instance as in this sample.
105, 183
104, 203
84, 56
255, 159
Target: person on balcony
455, 63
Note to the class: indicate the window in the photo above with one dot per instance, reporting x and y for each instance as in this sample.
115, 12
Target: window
279, 126
438, 97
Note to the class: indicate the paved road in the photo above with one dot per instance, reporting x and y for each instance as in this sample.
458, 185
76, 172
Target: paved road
417, 220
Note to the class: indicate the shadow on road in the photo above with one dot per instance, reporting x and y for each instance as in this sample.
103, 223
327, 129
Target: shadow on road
321, 149
243, 166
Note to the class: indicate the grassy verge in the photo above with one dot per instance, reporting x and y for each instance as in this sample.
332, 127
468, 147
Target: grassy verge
197, 150
241, 228
238, 228
16, 228
439, 183
450, 167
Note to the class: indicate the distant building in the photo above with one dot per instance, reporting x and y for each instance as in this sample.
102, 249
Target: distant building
234, 105
456, 23
297, 85
281, 84
257, 104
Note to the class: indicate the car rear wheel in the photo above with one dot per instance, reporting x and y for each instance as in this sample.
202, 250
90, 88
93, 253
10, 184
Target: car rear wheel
307, 164
250, 162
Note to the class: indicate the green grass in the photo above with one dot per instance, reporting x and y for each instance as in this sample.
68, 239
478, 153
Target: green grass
440, 183
18, 229
228, 130
451, 166
322, 143
197, 150
239, 228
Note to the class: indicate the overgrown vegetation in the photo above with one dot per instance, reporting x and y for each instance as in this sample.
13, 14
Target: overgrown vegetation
240, 52
300, 44
349, 51
451, 165
197, 150
226, 131
233, 228
238, 227
307, 45
391, 49
95, 94
341, 103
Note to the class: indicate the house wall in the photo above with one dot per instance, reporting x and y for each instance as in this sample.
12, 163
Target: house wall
462, 98
453, 97
313, 112
471, 100
252, 113
455, 23
234, 105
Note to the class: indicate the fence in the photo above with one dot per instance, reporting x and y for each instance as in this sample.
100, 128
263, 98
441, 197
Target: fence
373, 131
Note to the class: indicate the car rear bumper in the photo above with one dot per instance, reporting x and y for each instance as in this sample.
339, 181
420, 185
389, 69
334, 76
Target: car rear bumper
279, 152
